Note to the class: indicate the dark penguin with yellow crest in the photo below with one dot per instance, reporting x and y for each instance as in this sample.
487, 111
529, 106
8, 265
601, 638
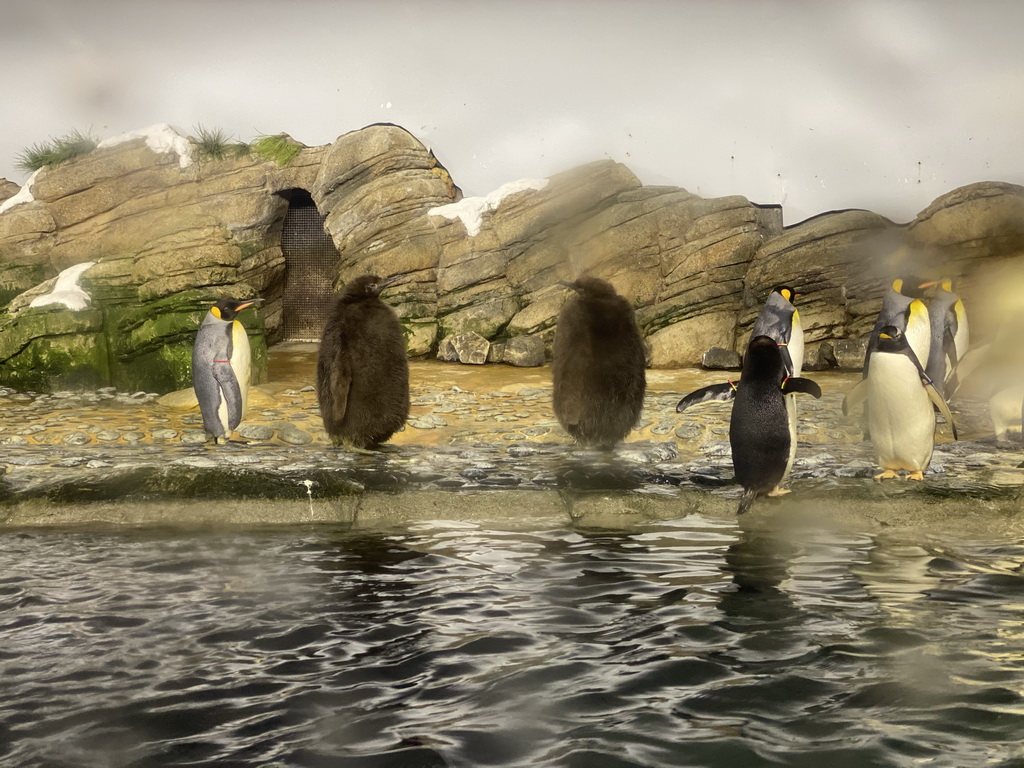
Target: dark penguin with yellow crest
362, 372
598, 365
759, 430
221, 367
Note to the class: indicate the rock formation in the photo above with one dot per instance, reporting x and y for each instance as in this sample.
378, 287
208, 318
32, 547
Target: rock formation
170, 231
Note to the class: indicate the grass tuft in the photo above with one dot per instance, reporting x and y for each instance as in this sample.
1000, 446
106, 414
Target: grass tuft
280, 147
241, 149
212, 142
55, 151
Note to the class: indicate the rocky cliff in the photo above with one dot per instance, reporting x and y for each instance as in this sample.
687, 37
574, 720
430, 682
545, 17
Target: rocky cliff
169, 231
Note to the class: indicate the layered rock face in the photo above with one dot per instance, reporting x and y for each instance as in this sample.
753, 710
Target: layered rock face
170, 232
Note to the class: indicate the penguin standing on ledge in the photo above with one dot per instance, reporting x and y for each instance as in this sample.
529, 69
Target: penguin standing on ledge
220, 367
598, 365
759, 430
780, 320
950, 337
899, 397
362, 372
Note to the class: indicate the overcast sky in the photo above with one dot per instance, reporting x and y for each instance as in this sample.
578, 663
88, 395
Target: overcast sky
816, 105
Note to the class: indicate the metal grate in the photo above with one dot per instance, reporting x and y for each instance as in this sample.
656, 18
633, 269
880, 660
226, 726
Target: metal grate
311, 263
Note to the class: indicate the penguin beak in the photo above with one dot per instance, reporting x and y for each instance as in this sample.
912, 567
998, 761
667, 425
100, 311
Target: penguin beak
567, 284
929, 284
389, 280
247, 304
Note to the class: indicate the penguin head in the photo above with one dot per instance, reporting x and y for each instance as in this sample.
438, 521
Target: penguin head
785, 292
367, 287
763, 357
228, 309
911, 286
891, 339
591, 287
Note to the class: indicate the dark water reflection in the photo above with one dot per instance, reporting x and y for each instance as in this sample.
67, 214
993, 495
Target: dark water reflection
684, 643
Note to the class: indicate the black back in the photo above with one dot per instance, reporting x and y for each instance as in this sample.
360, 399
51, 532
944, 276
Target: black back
362, 369
598, 366
759, 428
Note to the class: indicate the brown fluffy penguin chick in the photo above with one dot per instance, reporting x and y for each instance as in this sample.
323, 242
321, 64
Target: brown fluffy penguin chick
362, 372
598, 366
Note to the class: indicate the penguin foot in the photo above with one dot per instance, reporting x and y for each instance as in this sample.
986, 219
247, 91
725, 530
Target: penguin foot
888, 474
779, 491
916, 475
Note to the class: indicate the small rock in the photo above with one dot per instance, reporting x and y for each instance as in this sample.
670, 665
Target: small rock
496, 353
193, 436
33, 430
165, 434
196, 461
107, 390
133, 437
13, 440
524, 352
422, 424
77, 438
108, 435
98, 464
72, 461
814, 360
255, 432
25, 461
688, 431
308, 388
721, 359
849, 353
294, 436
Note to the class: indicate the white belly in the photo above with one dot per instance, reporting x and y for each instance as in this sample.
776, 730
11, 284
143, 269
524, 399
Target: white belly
796, 346
919, 337
241, 361
1004, 408
900, 415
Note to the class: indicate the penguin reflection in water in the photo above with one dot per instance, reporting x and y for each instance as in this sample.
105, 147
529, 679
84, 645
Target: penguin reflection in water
899, 398
759, 430
220, 367
362, 372
598, 365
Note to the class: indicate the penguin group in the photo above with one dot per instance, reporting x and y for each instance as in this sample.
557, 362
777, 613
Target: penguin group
914, 355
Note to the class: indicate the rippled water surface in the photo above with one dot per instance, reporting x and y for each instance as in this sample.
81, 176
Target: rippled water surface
682, 643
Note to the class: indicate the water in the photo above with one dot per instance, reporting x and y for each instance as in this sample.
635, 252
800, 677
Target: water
688, 642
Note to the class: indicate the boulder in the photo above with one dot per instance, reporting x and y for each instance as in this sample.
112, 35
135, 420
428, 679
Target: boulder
524, 351
721, 359
8, 189
468, 348
849, 353
683, 343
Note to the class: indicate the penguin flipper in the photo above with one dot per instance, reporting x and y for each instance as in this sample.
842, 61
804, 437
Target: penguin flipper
855, 396
725, 391
746, 500
231, 393
940, 403
799, 384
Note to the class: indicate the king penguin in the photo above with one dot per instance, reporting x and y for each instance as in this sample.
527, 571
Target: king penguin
950, 337
780, 320
899, 397
896, 311
598, 365
362, 371
759, 431
220, 367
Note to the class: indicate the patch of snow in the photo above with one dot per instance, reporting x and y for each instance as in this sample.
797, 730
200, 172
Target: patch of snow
471, 210
159, 138
23, 196
67, 291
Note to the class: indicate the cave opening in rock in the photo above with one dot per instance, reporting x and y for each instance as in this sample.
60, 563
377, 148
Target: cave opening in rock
310, 266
